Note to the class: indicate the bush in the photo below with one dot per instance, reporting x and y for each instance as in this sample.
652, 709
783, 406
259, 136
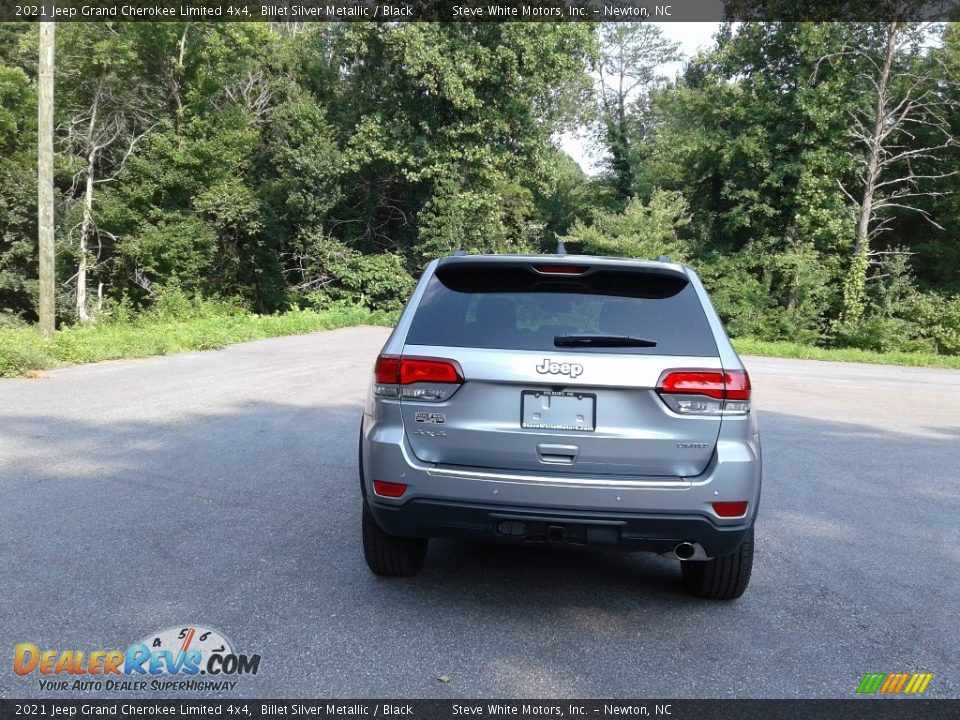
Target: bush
10, 321
740, 299
334, 275
900, 318
877, 333
936, 320
377, 282
171, 304
640, 231
22, 351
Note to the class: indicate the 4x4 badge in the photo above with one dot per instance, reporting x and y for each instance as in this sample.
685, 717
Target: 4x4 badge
551, 367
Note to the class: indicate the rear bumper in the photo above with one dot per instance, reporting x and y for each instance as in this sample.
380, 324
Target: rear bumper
525, 525
649, 513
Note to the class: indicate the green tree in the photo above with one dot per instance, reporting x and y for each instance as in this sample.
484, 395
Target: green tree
448, 127
640, 231
632, 56
18, 193
754, 135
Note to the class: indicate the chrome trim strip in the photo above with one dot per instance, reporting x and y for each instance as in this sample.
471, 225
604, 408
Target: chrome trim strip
678, 484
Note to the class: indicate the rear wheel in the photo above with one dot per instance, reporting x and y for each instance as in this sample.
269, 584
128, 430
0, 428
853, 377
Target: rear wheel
390, 555
723, 578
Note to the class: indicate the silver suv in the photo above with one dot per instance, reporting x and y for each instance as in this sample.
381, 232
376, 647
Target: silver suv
562, 400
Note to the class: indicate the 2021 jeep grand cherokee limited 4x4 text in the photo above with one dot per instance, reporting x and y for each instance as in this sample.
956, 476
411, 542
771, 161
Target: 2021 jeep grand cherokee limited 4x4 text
565, 400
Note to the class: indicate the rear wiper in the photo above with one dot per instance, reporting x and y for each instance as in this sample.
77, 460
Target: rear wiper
602, 341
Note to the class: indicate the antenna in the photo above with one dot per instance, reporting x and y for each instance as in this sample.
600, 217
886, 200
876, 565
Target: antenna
561, 250
459, 253
664, 258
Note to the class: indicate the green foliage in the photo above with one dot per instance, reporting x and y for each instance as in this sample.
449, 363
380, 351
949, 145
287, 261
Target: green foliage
172, 247
936, 319
755, 136
171, 304
739, 296
492, 221
15, 92
344, 276
377, 282
567, 195
642, 230
18, 192
855, 288
217, 148
447, 128
22, 351
323, 168
897, 317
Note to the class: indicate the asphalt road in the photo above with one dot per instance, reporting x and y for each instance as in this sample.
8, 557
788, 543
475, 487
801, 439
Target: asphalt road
220, 488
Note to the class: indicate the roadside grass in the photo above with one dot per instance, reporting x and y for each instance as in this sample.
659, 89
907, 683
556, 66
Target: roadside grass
24, 352
782, 349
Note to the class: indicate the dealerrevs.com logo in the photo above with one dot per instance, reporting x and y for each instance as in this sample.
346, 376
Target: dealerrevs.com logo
171, 659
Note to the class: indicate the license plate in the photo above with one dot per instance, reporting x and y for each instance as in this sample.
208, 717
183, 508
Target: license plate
548, 410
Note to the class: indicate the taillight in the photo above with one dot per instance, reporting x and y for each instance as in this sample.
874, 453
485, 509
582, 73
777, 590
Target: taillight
389, 489
414, 370
432, 379
705, 392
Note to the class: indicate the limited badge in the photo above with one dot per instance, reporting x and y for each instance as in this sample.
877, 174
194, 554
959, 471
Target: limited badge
431, 417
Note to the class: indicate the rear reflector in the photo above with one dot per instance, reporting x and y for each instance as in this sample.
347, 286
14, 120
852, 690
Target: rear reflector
389, 489
705, 392
730, 509
561, 269
737, 385
387, 369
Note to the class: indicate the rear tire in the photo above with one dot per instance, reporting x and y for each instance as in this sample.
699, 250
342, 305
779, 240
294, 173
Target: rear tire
389, 555
723, 578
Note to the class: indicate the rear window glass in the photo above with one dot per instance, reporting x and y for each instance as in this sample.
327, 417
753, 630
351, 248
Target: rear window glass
509, 306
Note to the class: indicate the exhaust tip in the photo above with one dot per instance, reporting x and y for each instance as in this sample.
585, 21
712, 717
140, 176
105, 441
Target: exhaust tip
684, 551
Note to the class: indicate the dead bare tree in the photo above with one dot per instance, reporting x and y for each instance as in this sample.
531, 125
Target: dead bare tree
107, 116
251, 91
173, 79
99, 130
899, 135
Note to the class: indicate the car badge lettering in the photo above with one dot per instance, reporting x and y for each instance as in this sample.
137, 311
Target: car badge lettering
552, 367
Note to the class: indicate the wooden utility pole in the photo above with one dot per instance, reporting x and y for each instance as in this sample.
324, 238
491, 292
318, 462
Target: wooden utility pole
45, 226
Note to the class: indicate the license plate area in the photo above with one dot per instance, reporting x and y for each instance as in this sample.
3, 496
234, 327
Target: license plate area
558, 410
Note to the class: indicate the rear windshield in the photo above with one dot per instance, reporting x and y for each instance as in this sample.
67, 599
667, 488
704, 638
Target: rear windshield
511, 307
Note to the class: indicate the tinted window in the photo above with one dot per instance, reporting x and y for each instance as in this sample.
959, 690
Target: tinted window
509, 306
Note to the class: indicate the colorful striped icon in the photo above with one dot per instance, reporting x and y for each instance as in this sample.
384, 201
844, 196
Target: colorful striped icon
894, 683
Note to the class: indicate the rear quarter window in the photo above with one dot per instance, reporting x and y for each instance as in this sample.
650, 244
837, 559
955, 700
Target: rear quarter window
512, 307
